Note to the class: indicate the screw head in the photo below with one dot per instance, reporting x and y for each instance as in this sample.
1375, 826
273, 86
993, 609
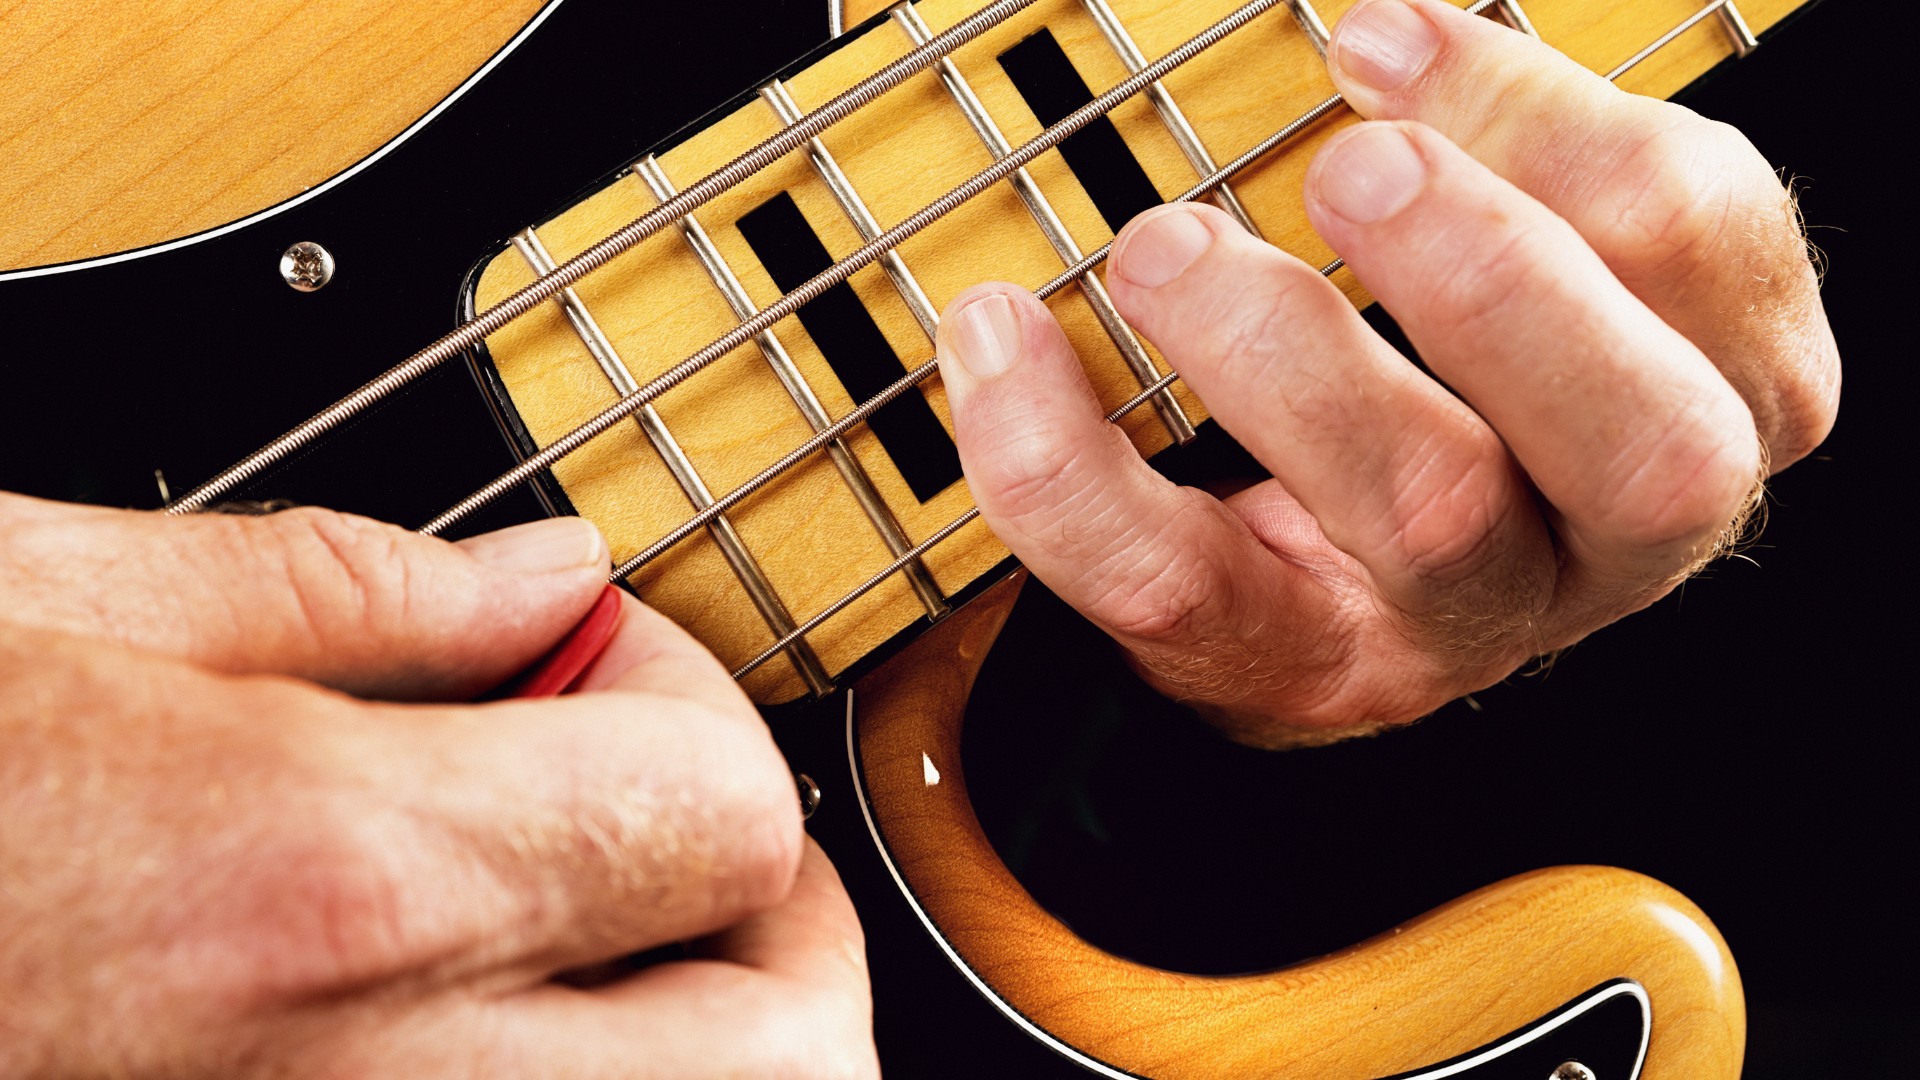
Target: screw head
306, 266
1572, 1070
809, 794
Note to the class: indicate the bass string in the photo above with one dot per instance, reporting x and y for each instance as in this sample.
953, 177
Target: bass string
844, 268
471, 333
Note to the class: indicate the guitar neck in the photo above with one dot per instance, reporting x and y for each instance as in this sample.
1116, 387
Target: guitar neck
825, 528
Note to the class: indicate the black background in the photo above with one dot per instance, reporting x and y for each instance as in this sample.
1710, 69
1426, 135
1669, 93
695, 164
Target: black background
1744, 740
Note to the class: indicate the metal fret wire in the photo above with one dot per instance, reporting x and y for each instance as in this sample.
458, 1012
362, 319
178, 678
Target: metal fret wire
1066, 277
1040, 208
1171, 116
951, 527
648, 171
714, 184
838, 272
733, 547
854, 209
1165, 381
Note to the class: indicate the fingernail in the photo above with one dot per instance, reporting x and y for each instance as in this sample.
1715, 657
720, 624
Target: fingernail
1162, 248
1372, 174
986, 335
1384, 44
539, 547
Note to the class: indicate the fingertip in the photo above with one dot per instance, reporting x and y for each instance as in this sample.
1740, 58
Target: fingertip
1160, 244
983, 334
1364, 175
1380, 46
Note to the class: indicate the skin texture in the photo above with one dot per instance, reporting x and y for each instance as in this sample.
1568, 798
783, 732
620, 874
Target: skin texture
1625, 336
215, 862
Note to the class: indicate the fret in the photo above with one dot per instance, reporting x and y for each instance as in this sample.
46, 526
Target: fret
1717, 7
766, 599
1310, 24
1171, 414
1743, 40
872, 504
1513, 15
1170, 113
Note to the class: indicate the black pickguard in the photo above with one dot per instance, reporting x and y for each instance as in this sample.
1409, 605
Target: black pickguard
186, 360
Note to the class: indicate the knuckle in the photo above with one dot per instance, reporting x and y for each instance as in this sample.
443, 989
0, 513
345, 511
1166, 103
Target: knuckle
1241, 330
345, 574
313, 912
1493, 273
1704, 480
1674, 198
1159, 609
750, 815
1690, 210
1035, 472
1803, 403
1184, 590
1448, 531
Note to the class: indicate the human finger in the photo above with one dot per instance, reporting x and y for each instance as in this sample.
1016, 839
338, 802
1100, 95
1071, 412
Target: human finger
1683, 210
1398, 473
261, 857
1641, 448
611, 822
783, 994
342, 600
1165, 569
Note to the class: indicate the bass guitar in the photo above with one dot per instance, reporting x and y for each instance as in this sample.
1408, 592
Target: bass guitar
700, 316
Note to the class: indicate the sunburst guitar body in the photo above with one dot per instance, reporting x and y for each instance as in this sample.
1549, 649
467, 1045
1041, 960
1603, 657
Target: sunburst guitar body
163, 165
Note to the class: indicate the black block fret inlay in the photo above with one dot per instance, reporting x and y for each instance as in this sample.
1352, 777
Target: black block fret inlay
858, 353
1097, 155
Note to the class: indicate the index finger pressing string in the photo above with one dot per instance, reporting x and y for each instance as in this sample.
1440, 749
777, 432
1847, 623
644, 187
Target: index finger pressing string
982, 181
1729, 541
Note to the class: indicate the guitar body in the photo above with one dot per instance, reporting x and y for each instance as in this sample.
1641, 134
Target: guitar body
163, 367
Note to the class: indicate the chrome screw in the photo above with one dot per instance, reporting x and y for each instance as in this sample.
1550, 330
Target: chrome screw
306, 266
810, 801
1572, 1070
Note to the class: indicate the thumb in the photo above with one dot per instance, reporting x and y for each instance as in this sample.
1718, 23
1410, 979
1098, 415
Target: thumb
346, 601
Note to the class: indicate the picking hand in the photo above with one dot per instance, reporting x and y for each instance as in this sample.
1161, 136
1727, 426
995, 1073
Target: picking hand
210, 865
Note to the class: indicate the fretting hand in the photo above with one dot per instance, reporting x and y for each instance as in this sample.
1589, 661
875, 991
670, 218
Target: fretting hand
1617, 290
209, 865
